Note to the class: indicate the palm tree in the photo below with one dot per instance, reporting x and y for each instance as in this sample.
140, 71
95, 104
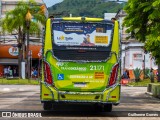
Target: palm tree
17, 21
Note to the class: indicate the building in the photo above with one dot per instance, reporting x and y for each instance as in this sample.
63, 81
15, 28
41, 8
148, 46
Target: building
109, 15
8, 42
133, 54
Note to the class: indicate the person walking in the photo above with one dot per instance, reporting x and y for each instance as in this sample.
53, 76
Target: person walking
5, 72
35, 73
9, 71
125, 74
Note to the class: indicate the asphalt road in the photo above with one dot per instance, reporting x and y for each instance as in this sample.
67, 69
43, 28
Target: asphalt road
21, 98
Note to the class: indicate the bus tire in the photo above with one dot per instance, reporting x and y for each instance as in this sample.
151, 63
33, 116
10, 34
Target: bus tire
47, 105
98, 108
107, 107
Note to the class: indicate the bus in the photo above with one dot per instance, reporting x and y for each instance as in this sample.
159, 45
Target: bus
81, 62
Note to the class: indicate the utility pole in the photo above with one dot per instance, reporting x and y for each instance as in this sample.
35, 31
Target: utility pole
28, 20
144, 60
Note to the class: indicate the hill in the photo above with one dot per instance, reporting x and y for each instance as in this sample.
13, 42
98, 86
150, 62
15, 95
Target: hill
89, 8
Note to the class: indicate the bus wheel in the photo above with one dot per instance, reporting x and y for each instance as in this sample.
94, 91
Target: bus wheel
47, 105
98, 108
107, 107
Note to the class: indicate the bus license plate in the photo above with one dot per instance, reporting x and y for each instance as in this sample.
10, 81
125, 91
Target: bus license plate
79, 85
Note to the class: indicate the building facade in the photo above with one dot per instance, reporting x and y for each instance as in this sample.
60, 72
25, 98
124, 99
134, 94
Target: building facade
8, 43
133, 54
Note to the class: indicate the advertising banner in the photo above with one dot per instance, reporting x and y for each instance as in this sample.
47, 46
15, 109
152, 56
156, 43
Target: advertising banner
82, 34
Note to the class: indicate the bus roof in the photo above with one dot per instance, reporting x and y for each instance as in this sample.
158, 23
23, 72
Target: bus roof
85, 19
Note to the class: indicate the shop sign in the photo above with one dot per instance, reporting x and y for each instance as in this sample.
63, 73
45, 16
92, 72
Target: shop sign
13, 51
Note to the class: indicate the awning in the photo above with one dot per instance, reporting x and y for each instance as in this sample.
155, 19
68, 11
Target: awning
10, 51
9, 61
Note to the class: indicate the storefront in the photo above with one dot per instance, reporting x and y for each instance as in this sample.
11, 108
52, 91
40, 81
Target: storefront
9, 58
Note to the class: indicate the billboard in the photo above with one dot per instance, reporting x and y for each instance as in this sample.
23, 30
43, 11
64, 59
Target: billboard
82, 34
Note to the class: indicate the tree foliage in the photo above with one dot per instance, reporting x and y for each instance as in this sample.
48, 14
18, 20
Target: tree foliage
143, 17
15, 21
89, 8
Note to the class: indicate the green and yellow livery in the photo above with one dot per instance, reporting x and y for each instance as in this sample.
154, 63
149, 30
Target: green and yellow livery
81, 62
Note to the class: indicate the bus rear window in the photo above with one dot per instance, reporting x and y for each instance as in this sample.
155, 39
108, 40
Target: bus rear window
81, 34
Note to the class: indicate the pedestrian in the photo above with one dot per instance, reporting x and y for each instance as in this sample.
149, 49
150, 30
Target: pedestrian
32, 72
127, 74
124, 74
14, 71
113, 19
35, 73
9, 71
5, 72
151, 75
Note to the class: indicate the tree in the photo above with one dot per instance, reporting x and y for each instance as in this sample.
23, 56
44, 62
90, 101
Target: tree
15, 21
88, 8
143, 18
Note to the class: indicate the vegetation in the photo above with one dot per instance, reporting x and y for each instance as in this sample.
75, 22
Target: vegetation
18, 21
142, 19
89, 8
137, 73
147, 71
14, 81
151, 76
141, 83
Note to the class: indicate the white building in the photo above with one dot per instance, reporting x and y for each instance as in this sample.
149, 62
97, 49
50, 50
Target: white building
109, 15
133, 55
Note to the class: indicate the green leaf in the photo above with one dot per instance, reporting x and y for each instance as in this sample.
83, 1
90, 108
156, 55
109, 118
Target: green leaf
144, 18
156, 3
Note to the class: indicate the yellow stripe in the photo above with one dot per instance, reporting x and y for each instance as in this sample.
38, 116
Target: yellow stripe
48, 41
115, 44
80, 19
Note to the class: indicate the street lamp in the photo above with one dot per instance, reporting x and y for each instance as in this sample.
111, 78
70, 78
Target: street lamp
28, 20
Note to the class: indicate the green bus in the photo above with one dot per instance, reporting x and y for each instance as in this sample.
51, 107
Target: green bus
81, 62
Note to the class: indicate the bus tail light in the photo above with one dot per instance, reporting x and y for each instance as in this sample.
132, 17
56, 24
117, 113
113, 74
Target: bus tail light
47, 73
113, 76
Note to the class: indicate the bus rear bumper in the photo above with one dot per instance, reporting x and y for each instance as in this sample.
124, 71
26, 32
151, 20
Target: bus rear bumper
109, 96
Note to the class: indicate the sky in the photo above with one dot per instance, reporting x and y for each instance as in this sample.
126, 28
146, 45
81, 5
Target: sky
49, 3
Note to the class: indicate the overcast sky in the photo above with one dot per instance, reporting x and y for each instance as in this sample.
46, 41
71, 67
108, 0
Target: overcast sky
49, 3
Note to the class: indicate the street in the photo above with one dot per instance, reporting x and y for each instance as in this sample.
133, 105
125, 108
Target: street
27, 98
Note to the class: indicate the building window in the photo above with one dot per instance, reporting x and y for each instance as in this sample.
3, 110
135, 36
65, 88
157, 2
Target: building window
137, 56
